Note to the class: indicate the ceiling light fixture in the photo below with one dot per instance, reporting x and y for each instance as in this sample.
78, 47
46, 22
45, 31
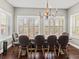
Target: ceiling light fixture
48, 12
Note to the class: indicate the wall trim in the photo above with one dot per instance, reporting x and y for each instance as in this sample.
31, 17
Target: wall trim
74, 45
1, 51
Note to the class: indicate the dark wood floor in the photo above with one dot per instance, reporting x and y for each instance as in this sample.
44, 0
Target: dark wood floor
73, 54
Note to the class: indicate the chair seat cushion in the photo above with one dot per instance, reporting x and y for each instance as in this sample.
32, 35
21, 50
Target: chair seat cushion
16, 43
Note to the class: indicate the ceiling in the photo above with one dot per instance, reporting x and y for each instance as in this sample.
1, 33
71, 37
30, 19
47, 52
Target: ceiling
42, 3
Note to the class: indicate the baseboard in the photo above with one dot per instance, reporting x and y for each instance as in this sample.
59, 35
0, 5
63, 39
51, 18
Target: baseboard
1, 51
9, 45
74, 45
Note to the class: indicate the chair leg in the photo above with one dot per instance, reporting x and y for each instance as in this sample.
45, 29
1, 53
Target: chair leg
59, 50
16, 49
48, 49
13, 48
67, 50
31, 50
35, 50
66, 53
19, 52
43, 50
54, 51
27, 50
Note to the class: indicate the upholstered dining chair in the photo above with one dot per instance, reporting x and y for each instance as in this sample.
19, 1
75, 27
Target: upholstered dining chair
65, 33
63, 42
15, 42
24, 42
39, 43
51, 40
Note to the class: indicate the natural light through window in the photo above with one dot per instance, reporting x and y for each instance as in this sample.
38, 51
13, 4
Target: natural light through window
75, 25
33, 25
5, 24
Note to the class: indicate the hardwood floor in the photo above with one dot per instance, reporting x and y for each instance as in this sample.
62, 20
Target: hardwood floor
73, 54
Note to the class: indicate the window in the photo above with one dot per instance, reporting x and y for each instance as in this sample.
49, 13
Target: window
5, 23
34, 25
28, 25
54, 26
74, 25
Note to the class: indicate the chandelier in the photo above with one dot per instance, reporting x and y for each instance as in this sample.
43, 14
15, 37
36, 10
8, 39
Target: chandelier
48, 12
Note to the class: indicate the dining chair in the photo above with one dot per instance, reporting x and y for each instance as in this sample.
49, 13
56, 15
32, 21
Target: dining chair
39, 43
15, 42
24, 43
65, 33
51, 40
63, 44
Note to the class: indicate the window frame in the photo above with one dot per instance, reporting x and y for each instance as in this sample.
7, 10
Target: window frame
41, 29
73, 17
8, 23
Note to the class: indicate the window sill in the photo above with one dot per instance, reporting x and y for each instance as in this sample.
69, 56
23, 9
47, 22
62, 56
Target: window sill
3, 38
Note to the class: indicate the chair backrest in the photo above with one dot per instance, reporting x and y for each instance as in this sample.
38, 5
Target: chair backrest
23, 40
51, 40
63, 41
65, 33
39, 40
14, 36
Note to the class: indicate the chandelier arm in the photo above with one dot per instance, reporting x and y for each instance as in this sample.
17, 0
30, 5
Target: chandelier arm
48, 12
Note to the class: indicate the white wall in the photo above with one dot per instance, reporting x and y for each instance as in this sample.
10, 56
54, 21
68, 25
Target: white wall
8, 8
35, 12
74, 9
